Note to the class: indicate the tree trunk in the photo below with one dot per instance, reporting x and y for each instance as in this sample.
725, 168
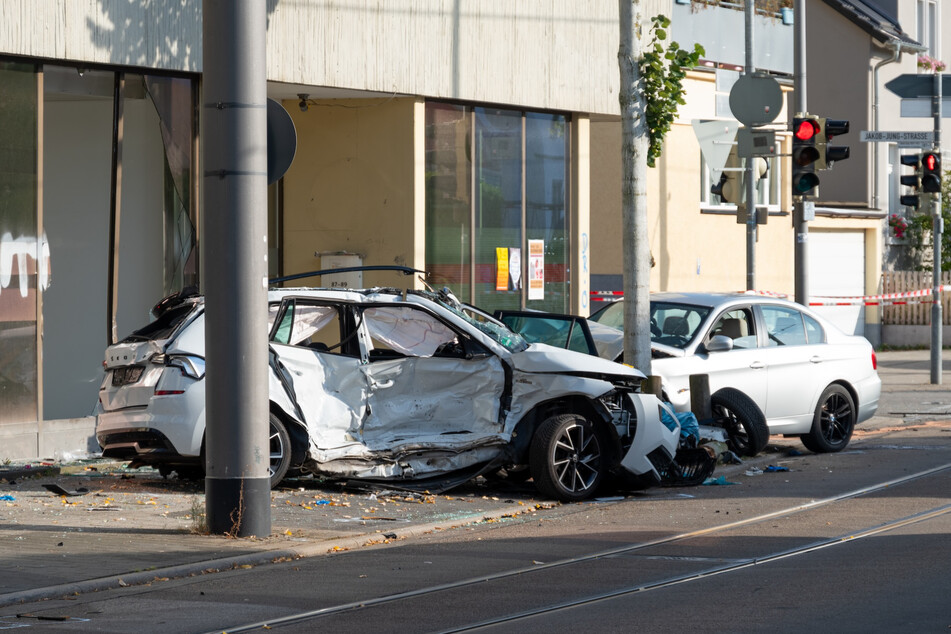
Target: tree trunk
634, 145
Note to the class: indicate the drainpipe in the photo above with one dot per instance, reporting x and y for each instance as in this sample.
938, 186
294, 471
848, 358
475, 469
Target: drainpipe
875, 177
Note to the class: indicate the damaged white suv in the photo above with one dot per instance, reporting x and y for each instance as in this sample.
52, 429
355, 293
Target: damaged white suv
407, 387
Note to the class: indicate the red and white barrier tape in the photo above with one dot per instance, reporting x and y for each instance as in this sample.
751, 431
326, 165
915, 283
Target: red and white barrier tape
908, 297
876, 300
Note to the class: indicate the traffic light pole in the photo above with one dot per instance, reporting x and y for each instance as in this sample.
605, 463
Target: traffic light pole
750, 183
800, 224
937, 229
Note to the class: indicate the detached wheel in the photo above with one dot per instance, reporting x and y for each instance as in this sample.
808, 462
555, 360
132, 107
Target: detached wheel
567, 458
742, 419
833, 422
279, 449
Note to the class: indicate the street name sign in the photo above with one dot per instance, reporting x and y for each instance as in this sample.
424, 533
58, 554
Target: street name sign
908, 138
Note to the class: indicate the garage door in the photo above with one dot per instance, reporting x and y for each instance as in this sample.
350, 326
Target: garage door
837, 269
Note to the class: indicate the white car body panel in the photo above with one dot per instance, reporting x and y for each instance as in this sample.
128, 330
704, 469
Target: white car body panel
650, 433
422, 414
767, 373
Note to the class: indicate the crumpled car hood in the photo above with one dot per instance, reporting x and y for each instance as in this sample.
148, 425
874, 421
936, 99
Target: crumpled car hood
540, 357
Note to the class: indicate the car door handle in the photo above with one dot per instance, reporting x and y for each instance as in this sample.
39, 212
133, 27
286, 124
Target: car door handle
815, 359
757, 365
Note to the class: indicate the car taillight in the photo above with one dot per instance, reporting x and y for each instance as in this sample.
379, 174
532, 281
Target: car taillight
874, 361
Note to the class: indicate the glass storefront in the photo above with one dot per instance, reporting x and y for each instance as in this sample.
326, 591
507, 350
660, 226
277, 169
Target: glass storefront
21, 248
56, 148
497, 222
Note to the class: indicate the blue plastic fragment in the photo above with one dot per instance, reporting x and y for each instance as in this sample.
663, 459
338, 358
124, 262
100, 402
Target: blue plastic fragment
773, 467
720, 481
321, 502
7, 498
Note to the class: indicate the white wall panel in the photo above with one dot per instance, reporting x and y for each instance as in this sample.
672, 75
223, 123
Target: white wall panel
558, 54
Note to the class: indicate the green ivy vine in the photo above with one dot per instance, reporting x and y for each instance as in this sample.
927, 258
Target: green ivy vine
663, 71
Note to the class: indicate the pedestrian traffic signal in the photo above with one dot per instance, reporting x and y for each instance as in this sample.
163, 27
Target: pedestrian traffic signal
931, 172
829, 154
805, 130
911, 180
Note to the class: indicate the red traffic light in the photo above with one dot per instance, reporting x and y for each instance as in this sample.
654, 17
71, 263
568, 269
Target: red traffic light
931, 161
806, 129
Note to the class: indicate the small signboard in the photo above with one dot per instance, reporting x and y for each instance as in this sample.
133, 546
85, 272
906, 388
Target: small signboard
922, 108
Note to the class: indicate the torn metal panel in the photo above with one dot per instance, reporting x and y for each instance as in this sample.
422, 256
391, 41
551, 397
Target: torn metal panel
540, 357
451, 402
330, 391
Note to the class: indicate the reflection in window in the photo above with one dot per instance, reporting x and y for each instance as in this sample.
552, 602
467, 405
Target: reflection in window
172, 98
496, 182
784, 326
23, 258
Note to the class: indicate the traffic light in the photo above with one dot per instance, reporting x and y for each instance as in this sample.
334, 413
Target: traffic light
931, 172
805, 130
829, 154
911, 180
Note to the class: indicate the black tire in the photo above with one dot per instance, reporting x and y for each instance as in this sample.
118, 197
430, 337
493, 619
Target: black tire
567, 458
742, 419
279, 450
833, 422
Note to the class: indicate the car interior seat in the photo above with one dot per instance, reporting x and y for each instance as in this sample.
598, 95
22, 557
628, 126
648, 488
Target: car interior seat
676, 326
733, 328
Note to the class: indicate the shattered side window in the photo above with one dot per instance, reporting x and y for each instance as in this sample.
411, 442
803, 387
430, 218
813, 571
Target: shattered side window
311, 326
405, 331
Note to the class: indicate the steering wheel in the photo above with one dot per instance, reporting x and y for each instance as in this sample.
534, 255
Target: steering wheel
655, 329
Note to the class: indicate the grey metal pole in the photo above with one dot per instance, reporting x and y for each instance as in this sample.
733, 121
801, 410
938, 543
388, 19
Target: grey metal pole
750, 183
800, 224
234, 104
937, 229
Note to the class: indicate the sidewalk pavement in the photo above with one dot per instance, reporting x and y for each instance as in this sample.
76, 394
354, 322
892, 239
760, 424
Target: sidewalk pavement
91, 525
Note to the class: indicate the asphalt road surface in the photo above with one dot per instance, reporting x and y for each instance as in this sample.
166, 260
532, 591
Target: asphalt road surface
850, 542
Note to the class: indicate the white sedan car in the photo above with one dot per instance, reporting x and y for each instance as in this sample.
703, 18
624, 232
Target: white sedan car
807, 377
395, 386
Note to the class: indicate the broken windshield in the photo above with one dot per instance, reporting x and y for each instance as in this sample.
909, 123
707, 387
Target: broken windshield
499, 332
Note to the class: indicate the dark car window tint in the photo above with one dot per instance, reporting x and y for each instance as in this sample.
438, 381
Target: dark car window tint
784, 326
814, 331
164, 326
554, 331
738, 325
675, 324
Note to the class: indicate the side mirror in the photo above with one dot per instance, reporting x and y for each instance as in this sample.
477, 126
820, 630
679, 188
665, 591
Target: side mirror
719, 343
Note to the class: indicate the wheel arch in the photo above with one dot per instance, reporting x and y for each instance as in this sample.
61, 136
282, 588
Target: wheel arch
300, 438
591, 409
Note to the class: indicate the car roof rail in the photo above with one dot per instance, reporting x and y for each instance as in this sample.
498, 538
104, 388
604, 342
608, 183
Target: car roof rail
405, 270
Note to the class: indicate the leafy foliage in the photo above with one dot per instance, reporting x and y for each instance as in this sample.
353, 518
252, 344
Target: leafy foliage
663, 71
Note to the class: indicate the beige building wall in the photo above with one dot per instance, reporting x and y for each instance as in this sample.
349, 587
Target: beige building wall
353, 186
692, 250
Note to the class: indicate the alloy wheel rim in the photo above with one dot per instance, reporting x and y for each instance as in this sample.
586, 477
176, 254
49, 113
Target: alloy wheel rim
576, 458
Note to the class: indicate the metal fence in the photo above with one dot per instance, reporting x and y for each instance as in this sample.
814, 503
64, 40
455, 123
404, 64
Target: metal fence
916, 311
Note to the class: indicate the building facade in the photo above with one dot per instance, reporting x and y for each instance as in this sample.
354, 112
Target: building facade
478, 140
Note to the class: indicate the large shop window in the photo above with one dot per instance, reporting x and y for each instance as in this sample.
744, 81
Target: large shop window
497, 230
22, 263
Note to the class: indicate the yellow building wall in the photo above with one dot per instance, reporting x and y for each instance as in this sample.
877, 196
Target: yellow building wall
695, 251
353, 187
